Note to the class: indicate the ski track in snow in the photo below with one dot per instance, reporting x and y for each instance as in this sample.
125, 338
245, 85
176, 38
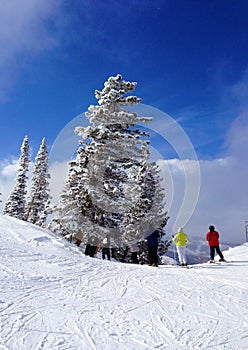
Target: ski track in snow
54, 298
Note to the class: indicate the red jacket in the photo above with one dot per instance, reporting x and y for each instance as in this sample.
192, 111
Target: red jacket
213, 238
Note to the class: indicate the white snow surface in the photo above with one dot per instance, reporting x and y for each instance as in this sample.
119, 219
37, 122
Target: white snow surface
53, 297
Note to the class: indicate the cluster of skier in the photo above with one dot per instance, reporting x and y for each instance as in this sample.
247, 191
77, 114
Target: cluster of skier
152, 240
181, 239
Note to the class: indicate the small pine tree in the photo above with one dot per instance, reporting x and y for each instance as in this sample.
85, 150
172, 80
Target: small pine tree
16, 202
37, 207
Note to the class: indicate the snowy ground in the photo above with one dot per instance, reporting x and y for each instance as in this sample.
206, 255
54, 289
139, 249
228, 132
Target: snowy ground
52, 297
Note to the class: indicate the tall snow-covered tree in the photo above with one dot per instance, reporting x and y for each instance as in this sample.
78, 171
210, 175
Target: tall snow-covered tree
15, 204
113, 170
38, 199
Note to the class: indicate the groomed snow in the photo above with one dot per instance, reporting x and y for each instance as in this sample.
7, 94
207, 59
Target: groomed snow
52, 297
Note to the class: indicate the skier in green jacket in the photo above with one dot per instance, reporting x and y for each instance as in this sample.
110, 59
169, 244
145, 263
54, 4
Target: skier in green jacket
181, 240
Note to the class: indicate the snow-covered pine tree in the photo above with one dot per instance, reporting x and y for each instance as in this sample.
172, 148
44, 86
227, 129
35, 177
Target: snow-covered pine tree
113, 169
68, 209
15, 204
114, 149
37, 205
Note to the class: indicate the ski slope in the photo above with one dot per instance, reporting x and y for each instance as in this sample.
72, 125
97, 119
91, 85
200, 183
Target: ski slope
52, 297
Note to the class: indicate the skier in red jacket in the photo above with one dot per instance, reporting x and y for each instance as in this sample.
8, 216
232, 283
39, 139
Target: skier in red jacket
213, 240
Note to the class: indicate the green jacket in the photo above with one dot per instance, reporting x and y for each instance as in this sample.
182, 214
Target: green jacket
181, 239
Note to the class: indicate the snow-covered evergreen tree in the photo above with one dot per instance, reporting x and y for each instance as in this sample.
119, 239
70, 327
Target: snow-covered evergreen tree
37, 207
68, 210
113, 173
15, 204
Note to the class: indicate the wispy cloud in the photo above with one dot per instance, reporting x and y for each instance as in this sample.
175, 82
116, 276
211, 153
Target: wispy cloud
236, 138
27, 28
8, 171
222, 201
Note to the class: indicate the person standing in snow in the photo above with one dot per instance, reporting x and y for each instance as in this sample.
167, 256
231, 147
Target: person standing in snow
92, 246
213, 241
79, 237
181, 240
134, 252
106, 247
152, 244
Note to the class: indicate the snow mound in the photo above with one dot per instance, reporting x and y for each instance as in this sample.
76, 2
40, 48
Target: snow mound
54, 297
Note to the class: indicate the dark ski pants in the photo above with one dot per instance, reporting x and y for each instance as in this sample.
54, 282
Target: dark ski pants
212, 252
106, 251
90, 250
153, 254
134, 257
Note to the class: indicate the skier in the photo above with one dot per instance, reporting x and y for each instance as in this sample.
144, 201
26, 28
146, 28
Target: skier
152, 243
106, 247
92, 246
181, 240
134, 252
79, 237
213, 240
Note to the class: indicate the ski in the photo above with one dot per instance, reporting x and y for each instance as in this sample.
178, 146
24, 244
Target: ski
217, 261
177, 266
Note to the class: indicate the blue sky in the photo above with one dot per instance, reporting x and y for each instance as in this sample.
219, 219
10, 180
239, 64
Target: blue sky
189, 58
185, 56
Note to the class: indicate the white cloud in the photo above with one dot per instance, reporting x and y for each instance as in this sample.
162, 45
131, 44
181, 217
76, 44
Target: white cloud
58, 172
25, 29
24, 26
222, 201
9, 169
240, 89
8, 172
236, 140
224, 192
